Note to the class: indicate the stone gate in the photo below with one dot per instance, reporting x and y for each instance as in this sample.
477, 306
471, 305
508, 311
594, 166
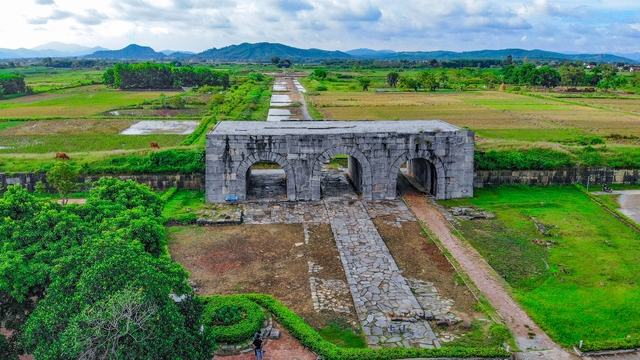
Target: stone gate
437, 154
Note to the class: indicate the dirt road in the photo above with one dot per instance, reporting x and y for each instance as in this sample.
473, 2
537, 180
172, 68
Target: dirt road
630, 203
529, 337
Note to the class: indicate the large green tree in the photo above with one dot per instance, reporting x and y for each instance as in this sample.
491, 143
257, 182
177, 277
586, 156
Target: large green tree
63, 178
68, 271
392, 78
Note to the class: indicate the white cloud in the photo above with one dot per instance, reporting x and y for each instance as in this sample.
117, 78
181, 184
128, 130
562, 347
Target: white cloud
331, 24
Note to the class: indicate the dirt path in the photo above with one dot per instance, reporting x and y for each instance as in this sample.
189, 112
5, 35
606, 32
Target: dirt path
489, 283
296, 95
630, 204
285, 348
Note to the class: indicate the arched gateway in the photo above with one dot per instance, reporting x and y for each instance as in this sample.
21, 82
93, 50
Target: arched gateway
438, 154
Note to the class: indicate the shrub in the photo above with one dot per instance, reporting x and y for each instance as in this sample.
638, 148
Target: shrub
321, 88
232, 318
166, 161
326, 350
534, 159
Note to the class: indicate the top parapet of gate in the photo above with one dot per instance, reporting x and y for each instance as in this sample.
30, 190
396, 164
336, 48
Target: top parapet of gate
254, 128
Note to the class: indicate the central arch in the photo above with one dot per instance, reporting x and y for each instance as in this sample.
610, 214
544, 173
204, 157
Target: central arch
364, 171
245, 166
433, 160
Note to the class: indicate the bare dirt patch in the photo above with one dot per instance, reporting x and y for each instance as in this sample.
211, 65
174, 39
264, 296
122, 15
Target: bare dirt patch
285, 348
420, 258
70, 127
268, 259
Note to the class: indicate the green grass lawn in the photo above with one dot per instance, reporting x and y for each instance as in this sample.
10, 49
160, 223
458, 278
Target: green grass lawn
80, 101
586, 284
10, 124
342, 337
39, 144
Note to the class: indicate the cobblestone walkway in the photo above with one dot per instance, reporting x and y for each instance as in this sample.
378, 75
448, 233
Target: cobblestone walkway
388, 311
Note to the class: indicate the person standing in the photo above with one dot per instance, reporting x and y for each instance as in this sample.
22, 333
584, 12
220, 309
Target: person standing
257, 346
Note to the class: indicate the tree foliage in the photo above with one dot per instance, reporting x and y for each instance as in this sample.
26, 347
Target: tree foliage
63, 178
319, 74
162, 76
12, 84
91, 281
392, 78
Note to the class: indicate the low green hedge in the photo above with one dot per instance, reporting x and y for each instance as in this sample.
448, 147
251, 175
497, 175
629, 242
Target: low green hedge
617, 344
240, 331
328, 351
165, 161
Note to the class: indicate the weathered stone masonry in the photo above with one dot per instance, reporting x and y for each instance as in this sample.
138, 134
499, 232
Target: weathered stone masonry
440, 155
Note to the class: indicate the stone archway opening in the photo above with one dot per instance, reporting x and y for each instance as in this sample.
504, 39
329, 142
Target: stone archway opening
342, 175
421, 174
266, 180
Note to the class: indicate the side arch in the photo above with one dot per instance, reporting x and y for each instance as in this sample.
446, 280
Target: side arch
441, 190
367, 174
245, 165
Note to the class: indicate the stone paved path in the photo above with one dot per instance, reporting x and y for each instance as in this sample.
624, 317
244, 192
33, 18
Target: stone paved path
389, 313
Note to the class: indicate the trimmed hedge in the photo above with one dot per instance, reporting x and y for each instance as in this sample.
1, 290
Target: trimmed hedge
239, 331
328, 351
617, 344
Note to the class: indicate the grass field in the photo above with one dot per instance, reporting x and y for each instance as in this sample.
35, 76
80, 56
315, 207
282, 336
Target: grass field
45, 79
585, 284
81, 101
39, 144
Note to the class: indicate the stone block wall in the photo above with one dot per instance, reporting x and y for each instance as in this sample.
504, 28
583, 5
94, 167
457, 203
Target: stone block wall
301, 155
158, 182
557, 177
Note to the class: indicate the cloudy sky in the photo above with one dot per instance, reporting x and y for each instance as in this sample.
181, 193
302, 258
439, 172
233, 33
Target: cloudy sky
559, 25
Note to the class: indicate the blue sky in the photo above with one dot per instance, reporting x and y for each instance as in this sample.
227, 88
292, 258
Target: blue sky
594, 26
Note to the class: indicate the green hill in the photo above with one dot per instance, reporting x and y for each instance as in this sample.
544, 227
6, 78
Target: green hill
264, 51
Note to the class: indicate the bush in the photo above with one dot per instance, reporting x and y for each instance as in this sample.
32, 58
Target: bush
232, 318
534, 159
326, 350
321, 88
166, 161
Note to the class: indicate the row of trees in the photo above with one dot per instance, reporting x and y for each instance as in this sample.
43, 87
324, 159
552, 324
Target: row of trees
603, 76
71, 64
12, 84
149, 75
93, 281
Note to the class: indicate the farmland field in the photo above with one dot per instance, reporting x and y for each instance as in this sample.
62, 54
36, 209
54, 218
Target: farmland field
583, 285
45, 79
82, 101
493, 115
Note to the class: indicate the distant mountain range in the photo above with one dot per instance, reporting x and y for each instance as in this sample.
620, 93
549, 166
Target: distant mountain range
247, 52
368, 53
632, 56
264, 52
52, 49
518, 54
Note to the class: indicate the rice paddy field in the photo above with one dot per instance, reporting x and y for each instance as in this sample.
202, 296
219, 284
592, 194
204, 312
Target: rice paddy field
493, 115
